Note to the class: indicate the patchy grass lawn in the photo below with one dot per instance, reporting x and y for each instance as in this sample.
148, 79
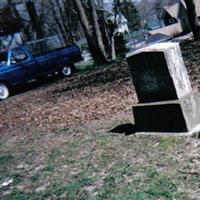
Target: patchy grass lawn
95, 164
83, 66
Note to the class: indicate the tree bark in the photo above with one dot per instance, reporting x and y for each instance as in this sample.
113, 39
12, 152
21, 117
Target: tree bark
35, 21
112, 30
96, 29
113, 52
194, 21
105, 31
63, 21
68, 12
97, 55
57, 20
16, 13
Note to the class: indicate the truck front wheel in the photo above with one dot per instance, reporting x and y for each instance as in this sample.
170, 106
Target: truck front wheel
4, 91
66, 71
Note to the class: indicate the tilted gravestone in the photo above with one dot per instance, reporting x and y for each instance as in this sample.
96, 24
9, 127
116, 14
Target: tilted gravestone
166, 100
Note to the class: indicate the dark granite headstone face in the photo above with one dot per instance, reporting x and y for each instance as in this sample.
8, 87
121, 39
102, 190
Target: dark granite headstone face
159, 73
151, 77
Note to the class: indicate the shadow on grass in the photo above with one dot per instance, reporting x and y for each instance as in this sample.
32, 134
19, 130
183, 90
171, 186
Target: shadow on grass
127, 129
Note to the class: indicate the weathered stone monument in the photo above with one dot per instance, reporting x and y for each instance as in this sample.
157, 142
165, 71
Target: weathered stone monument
166, 100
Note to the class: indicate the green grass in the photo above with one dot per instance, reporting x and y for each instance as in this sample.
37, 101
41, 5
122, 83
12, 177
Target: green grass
84, 66
49, 168
17, 177
168, 142
19, 195
74, 190
6, 159
151, 186
95, 165
35, 177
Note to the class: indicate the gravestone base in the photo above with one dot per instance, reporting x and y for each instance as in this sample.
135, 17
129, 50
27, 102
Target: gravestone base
175, 116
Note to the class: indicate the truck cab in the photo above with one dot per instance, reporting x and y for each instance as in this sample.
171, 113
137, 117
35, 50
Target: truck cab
18, 65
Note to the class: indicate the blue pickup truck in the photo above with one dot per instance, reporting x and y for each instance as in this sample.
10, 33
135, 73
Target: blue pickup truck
18, 66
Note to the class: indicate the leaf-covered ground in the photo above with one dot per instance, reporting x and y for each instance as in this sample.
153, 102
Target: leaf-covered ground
55, 142
79, 99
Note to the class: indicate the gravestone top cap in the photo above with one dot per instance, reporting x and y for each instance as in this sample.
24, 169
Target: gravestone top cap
154, 47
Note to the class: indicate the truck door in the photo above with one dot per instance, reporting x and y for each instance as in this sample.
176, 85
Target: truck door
45, 63
21, 66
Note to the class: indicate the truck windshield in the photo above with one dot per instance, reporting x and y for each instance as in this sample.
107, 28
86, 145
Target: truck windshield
3, 57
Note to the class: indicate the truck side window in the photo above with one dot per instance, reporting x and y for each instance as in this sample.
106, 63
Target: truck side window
19, 55
3, 57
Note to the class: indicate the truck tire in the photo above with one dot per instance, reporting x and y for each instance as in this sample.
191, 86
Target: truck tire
66, 71
4, 91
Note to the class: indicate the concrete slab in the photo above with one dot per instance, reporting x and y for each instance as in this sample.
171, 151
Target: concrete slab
195, 132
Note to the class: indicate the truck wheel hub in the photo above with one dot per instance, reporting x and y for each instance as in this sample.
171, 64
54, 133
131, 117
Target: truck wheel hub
66, 71
3, 92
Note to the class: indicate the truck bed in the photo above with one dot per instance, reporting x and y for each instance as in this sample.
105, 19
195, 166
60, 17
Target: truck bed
72, 51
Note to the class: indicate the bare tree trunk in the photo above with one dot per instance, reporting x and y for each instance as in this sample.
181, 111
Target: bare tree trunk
98, 56
113, 52
16, 13
194, 21
67, 8
63, 21
105, 33
96, 29
112, 30
35, 21
60, 26
104, 26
